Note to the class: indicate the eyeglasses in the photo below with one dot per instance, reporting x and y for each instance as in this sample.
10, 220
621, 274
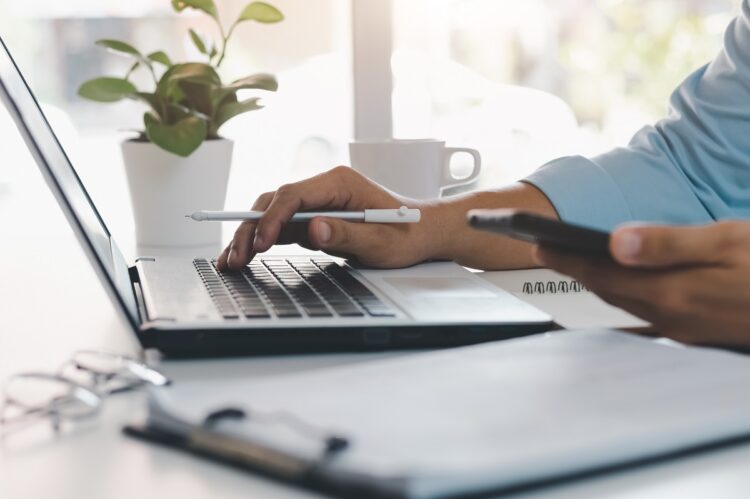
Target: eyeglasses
76, 392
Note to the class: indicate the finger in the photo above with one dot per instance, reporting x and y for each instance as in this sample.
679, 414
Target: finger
240, 249
317, 192
535, 255
586, 267
677, 246
221, 261
346, 238
331, 234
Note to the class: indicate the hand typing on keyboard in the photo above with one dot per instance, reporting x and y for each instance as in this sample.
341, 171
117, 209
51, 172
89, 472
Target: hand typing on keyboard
377, 245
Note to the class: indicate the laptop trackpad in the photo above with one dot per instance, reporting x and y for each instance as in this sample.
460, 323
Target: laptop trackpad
439, 287
454, 299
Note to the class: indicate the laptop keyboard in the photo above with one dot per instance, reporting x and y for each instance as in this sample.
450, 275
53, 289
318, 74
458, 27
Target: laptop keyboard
289, 289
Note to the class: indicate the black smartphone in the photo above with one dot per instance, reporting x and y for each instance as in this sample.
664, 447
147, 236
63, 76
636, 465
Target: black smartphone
541, 230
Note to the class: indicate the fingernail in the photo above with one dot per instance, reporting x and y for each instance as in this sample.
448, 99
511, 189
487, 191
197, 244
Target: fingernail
324, 232
535, 256
258, 242
628, 245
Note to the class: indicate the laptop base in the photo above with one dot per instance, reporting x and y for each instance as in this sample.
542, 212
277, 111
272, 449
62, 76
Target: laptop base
187, 343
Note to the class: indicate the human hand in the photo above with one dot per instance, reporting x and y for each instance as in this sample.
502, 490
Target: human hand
691, 283
377, 245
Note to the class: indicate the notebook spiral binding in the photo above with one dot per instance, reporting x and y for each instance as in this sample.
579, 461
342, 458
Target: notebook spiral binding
553, 287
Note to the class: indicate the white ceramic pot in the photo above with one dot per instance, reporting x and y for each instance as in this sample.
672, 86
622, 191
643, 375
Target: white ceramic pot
165, 187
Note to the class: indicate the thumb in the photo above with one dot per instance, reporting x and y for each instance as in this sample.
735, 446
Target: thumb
339, 236
663, 246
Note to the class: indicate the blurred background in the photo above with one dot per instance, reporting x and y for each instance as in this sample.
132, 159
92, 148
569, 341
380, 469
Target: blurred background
522, 81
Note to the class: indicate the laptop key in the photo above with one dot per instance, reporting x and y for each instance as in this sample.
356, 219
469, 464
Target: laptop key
318, 311
348, 311
256, 314
373, 305
288, 314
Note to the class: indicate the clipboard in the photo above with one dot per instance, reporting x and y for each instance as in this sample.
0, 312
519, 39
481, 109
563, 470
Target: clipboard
466, 421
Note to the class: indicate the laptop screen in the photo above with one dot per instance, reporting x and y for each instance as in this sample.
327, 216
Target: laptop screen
65, 183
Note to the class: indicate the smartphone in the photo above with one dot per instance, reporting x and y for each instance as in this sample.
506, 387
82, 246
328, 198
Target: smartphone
541, 230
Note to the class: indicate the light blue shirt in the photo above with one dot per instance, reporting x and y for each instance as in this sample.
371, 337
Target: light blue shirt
691, 167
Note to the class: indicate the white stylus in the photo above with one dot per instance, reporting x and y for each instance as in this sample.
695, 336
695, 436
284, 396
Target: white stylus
400, 215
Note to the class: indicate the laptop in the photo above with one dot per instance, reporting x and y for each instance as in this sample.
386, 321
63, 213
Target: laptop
186, 307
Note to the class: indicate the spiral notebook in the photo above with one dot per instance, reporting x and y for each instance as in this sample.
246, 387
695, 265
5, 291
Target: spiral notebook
569, 302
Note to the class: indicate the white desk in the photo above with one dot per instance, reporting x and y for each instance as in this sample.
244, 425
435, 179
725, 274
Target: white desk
52, 304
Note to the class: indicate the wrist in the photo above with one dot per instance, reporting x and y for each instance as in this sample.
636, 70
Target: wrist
433, 233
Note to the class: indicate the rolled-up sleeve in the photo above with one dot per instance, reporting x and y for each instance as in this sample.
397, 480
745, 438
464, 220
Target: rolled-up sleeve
691, 167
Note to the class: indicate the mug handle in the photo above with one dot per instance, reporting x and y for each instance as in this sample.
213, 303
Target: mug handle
449, 180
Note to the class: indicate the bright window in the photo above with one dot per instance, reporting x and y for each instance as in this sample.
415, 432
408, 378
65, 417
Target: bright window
527, 81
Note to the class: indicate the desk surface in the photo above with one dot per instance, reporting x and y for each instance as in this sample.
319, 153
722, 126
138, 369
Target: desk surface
52, 305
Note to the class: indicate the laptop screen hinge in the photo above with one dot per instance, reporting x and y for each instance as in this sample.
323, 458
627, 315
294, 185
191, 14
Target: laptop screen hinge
139, 301
133, 272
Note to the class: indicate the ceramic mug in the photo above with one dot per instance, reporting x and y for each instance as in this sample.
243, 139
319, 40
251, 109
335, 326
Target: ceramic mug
419, 169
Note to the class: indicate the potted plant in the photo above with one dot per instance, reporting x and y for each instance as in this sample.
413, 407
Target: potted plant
180, 163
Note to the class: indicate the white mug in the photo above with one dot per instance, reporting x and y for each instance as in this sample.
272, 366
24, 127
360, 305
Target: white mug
418, 169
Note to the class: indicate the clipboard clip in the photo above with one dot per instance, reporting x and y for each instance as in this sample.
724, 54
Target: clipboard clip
332, 444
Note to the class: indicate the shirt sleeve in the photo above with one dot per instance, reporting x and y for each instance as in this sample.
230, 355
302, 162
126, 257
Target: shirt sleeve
691, 167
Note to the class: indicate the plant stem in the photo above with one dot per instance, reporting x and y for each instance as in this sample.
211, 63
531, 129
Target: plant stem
153, 74
130, 71
146, 63
224, 45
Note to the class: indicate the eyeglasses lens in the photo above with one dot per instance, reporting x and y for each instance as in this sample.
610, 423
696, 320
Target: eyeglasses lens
48, 395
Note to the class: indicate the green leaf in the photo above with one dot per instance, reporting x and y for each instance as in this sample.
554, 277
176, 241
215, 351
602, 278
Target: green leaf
229, 111
119, 47
206, 6
198, 42
259, 81
198, 96
182, 138
107, 89
262, 13
192, 71
160, 57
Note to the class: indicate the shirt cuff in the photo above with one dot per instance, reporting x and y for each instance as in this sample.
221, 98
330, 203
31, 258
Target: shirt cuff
582, 192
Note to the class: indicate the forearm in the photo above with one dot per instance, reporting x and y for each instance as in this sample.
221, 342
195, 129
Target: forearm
451, 238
